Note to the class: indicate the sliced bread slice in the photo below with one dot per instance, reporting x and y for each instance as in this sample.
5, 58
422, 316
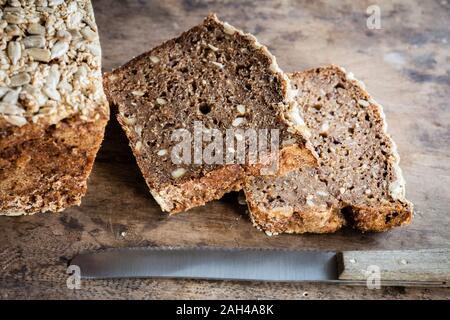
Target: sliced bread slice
219, 77
359, 182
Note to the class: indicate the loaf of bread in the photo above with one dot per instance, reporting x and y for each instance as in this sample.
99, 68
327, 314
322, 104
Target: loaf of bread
216, 76
53, 110
359, 182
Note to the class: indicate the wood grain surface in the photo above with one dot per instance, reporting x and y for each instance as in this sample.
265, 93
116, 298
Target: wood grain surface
405, 65
424, 265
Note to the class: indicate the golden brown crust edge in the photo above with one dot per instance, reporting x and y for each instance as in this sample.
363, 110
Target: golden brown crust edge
382, 218
332, 219
46, 168
289, 221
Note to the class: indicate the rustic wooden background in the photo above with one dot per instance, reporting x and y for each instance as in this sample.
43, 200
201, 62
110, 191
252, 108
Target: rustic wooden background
405, 65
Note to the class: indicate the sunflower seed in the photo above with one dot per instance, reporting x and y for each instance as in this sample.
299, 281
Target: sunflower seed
13, 31
59, 49
16, 120
14, 18
29, 89
14, 51
154, 59
75, 34
52, 79
237, 122
138, 130
363, 103
54, 3
74, 20
162, 152
64, 35
90, 23
72, 7
309, 200
14, 3
13, 10
37, 54
138, 146
20, 79
10, 109
217, 64
95, 49
11, 96
324, 128
34, 42
33, 18
65, 86
161, 101
138, 93
241, 109
178, 173
81, 72
213, 48
40, 98
3, 91
52, 93
88, 34
36, 29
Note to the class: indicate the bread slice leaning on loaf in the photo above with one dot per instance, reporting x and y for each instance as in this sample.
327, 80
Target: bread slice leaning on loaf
53, 110
359, 182
217, 76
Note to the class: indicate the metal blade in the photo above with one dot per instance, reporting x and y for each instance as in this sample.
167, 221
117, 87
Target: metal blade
207, 263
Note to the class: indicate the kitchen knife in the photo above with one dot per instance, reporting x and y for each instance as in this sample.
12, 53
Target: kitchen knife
414, 268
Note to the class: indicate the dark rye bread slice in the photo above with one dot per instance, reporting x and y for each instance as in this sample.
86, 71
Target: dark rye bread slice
219, 76
359, 182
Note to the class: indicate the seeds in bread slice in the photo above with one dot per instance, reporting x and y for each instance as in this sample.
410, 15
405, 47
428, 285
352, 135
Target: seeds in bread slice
219, 77
359, 181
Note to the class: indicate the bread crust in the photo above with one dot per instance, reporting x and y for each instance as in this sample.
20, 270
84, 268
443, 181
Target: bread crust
46, 168
288, 220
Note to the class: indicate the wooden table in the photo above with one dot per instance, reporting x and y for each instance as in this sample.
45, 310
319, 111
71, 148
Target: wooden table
405, 65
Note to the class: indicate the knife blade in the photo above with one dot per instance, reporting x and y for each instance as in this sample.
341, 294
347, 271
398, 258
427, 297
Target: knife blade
208, 263
426, 268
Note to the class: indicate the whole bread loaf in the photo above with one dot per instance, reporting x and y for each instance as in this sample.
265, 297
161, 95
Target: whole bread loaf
359, 182
216, 76
53, 110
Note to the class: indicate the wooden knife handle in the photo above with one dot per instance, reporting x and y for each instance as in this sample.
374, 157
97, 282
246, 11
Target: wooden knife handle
415, 266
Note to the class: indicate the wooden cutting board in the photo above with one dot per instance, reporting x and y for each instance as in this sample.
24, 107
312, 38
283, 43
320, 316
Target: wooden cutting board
405, 65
